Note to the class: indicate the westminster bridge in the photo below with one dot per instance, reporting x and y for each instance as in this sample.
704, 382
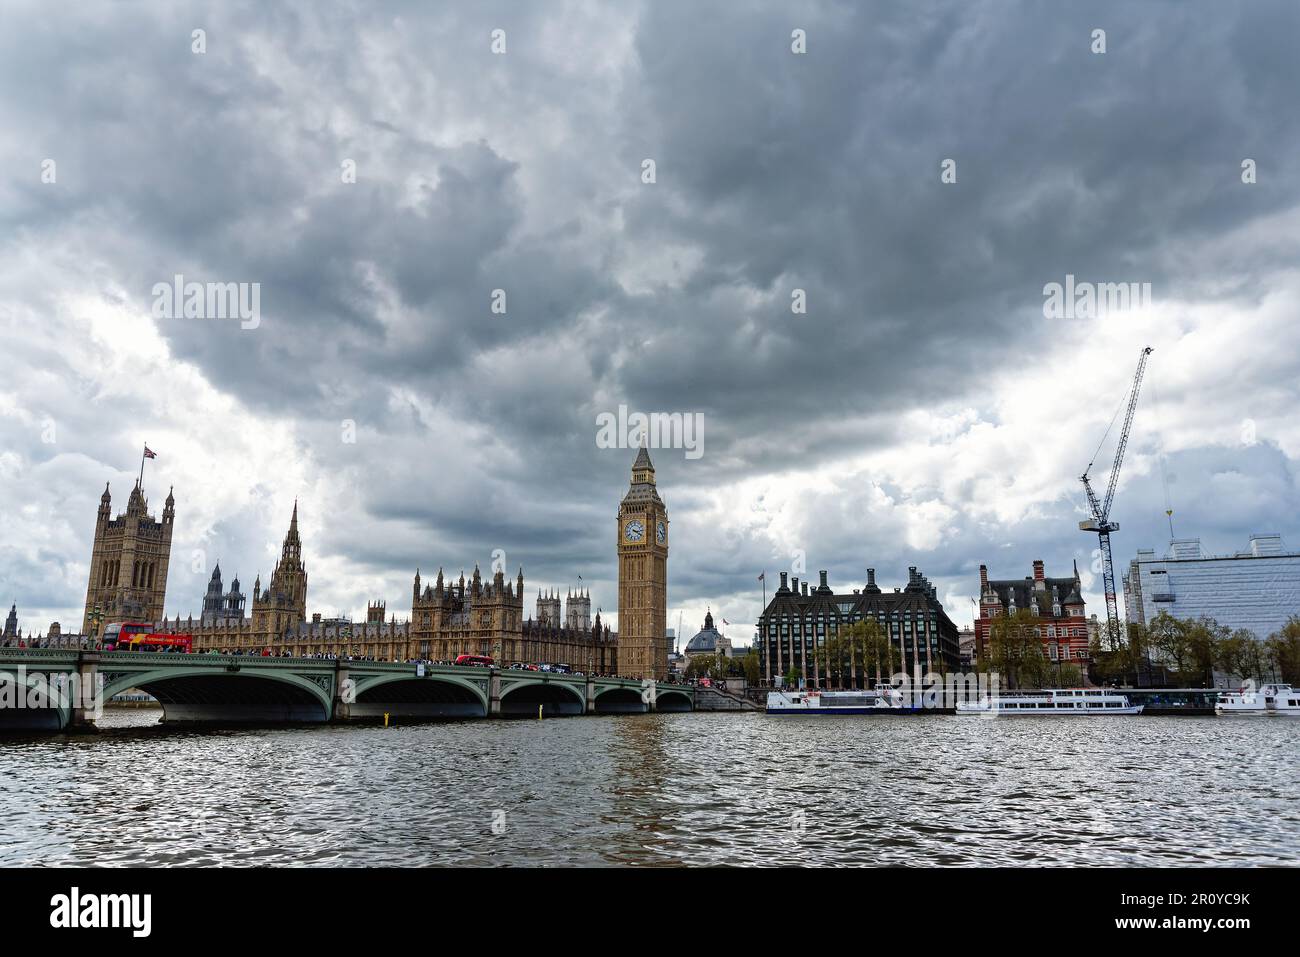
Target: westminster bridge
223, 689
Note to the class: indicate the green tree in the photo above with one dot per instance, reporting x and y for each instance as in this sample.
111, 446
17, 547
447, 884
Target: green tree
1064, 676
751, 667
831, 656
1241, 653
1015, 650
1192, 646
1256, 659
1137, 653
1118, 653
1169, 639
1205, 638
875, 648
702, 666
1282, 649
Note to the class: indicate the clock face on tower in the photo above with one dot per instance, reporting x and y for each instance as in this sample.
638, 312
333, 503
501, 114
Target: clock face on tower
634, 531
661, 532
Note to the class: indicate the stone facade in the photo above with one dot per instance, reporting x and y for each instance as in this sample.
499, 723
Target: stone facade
219, 606
798, 620
281, 609
642, 576
128, 563
479, 616
447, 619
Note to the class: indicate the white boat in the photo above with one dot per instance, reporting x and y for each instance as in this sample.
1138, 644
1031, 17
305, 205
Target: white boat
1271, 699
1069, 701
882, 700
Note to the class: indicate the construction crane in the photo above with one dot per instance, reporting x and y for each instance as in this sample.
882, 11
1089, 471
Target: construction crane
1100, 521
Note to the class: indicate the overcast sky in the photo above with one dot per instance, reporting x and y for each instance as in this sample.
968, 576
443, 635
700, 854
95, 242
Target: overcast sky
923, 410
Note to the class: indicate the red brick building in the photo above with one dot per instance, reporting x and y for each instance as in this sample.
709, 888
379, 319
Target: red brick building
1057, 601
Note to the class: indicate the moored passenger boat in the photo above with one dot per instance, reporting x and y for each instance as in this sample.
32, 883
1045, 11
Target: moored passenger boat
1068, 701
1270, 699
882, 700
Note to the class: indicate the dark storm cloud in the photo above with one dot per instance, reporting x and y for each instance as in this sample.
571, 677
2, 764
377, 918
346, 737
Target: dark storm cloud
775, 172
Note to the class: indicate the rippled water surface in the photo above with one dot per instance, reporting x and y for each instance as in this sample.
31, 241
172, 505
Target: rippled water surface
660, 789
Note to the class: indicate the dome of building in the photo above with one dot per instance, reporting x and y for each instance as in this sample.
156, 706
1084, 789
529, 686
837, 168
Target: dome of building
706, 640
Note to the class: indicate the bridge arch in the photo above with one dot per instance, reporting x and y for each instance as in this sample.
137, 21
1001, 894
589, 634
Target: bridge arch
39, 702
404, 694
619, 699
522, 698
230, 694
672, 700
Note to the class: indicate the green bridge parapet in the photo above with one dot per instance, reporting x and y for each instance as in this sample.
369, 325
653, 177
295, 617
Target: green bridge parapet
249, 689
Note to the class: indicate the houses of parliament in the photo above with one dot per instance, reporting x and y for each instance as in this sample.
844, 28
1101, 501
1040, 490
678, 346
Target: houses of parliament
480, 616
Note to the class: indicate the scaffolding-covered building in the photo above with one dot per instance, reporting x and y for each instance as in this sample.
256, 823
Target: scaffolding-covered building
1257, 589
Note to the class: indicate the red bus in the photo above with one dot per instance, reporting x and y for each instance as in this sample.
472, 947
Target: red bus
480, 661
138, 636
120, 632
157, 641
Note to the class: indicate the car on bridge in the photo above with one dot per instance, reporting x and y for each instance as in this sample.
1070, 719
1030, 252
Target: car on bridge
476, 661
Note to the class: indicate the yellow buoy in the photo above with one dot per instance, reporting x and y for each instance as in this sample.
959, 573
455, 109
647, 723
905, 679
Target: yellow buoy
385, 719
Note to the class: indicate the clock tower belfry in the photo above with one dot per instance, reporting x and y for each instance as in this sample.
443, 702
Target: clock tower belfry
642, 576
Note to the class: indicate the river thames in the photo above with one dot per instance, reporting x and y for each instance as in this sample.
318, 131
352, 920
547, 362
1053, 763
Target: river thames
672, 789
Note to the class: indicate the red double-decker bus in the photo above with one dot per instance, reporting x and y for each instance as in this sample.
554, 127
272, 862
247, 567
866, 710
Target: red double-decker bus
120, 632
139, 636
158, 641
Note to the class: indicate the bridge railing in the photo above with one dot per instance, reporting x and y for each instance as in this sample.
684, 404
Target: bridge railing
277, 661
39, 652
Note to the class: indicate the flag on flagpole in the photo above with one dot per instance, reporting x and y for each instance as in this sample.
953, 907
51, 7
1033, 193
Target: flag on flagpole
763, 577
725, 622
150, 453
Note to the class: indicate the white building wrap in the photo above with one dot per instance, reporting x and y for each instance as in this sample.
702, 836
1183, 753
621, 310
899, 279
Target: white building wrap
1258, 589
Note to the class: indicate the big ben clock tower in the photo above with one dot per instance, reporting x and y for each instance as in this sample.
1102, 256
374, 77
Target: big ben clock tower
642, 576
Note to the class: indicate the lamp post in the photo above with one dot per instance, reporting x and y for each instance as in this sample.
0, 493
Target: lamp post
96, 618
